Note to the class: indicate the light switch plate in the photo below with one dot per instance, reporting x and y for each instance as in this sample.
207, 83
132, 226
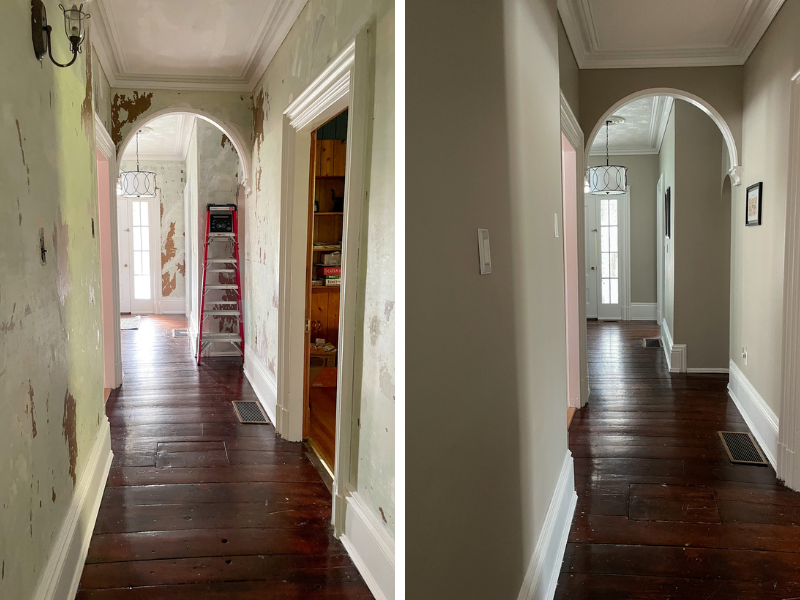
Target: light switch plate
555, 224
484, 253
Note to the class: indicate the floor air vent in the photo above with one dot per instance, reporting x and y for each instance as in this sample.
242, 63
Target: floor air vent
742, 448
180, 333
250, 412
651, 342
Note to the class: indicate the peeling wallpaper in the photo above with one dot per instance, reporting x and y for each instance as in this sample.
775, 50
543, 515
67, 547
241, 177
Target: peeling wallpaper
51, 355
321, 31
101, 92
170, 179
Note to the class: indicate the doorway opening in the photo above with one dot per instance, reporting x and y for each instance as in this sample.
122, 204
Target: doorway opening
323, 285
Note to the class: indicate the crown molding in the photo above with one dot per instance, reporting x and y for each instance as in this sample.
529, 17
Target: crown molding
272, 30
628, 151
748, 30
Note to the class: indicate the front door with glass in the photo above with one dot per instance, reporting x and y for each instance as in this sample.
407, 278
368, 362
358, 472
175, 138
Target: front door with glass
606, 248
138, 253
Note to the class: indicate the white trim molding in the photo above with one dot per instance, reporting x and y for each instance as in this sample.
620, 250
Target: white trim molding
541, 576
747, 30
263, 382
760, 418
708, 370
644, 311
675, 353
370, 546
271, 31
62, 573
789, 438
170, 306
574, 134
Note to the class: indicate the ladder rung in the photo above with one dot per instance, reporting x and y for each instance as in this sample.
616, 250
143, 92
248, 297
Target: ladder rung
221, 312
221, 337
234, 302
223, 287
222, 260
221, 271
221, 234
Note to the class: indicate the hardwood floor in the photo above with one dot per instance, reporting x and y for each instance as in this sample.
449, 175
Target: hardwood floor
662, 513
199, 506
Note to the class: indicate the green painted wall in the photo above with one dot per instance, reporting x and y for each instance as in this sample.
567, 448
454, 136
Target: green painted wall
322, 30
51, 378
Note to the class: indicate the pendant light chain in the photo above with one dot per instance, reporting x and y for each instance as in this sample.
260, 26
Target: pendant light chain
607, 124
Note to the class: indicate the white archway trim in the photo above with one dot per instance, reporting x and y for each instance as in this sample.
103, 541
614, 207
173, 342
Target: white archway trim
789, 421
236, 137
735, 171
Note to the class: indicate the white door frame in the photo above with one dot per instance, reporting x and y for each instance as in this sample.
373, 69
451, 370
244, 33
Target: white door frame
152, 306
105, 146
346, 83
789, 421
573, 132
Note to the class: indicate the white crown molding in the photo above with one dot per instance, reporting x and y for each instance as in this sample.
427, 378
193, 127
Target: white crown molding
745, 35
272, 30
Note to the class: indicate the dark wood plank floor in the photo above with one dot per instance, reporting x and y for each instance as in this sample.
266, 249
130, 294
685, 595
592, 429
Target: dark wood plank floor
662, 513
198, 505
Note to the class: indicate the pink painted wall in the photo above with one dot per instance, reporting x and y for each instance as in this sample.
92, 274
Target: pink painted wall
570, 236
103, 229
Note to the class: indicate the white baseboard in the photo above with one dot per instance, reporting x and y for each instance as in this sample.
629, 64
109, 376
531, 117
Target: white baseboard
675, 353
263, 383
542, 574
644, 311
720, 370
371, 548
171, 306
62, 574
760, 418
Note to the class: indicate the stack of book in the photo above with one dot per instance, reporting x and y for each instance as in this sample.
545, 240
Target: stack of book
331, 275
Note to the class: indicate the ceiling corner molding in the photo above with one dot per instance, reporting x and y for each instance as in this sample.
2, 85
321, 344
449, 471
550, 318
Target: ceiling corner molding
664, 104
750, 25
272, 31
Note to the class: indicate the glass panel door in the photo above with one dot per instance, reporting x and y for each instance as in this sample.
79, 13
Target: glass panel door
609, 251
140, 233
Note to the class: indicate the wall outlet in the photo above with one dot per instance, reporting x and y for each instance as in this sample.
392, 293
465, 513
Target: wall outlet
744, 354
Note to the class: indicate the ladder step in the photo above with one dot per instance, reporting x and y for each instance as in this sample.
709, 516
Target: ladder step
222, 337
234, 302
223, 287
222, 260
218, 234
221, 271
221, 312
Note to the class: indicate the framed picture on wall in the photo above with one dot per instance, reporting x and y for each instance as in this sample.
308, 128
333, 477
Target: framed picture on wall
668, 213
753, 205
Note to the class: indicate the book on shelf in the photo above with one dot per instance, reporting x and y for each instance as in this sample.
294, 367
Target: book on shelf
333, 282
328, 270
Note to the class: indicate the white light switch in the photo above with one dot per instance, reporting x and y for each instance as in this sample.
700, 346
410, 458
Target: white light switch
555, 224
484, 252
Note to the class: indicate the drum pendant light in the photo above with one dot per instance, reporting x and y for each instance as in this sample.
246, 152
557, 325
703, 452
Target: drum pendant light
137, 184
608, 179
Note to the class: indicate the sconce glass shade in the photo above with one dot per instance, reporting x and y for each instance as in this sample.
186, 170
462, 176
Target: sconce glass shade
608, 180
137, 184
74, 23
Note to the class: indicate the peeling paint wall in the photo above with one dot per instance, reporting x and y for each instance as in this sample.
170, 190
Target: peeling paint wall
171, 179
102, 93
322, 30
51, 355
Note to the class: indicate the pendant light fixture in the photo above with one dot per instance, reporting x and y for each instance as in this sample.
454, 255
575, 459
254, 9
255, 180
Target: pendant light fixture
137, 184
608, 179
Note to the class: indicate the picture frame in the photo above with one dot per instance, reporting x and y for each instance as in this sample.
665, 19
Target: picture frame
668, 213
752, 205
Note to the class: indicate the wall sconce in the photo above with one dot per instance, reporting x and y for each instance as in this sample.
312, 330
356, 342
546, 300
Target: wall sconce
74, 26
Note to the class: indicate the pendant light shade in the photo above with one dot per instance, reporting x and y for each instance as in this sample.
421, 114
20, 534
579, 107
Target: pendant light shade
607, 180
137, 184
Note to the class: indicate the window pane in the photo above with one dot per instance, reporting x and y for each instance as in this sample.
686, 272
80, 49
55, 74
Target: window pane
145, 263
612, 209
136, 235
603, 212
141, 287
136, 219
604, 239
605, 293
614, 285
614, 231
605, 270
137, 263
144, 213
144, 232
614, 260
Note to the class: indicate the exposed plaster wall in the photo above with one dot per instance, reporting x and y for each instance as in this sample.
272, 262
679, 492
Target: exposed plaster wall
322, 30
102, 93
51, 355
171, 179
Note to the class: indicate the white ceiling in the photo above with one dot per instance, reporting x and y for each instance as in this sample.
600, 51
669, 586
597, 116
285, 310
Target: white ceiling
189, 44
660, 33
168, 139
643, 129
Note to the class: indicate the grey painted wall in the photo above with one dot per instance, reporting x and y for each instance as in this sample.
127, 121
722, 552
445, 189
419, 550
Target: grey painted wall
701, 240
568, 73
643, 174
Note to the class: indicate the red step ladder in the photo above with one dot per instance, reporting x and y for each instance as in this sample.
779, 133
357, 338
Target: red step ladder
221, 226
